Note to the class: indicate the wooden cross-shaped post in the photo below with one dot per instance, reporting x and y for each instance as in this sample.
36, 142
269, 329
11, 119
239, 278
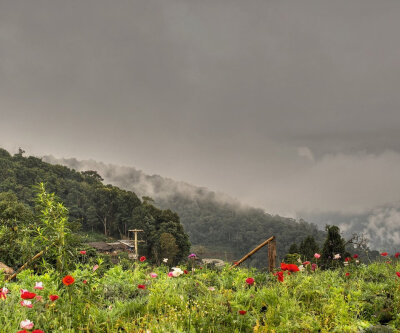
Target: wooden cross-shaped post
135, 231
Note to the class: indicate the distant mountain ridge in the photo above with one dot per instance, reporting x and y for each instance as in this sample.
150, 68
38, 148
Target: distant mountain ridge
216, 223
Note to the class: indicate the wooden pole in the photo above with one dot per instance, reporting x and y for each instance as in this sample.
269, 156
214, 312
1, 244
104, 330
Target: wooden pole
253, 251
272, 255
24, 266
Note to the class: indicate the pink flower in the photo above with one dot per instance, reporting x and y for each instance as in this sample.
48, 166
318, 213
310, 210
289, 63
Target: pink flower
26, 324
95, 267
39, 298
38, 285
82, 252
211, 288
170, 274
27, 304
84, 281
153, 275
314, 267
306, 263
317, 255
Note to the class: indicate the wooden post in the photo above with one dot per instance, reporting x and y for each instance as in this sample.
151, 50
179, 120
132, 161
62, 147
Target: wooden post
135, 231
254, 251
272, 255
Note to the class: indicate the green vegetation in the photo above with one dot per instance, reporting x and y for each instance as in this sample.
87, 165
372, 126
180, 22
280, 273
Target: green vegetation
131, 300
88, 203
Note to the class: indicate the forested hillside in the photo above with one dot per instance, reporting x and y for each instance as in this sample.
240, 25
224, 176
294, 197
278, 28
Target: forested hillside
91, 204
217, 225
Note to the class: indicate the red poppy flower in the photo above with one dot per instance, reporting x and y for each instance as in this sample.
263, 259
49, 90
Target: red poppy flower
37, 331
306, 263
280, 276
398, 274
142, 258
347, 259
84, 281
347, 274
68, 280
141, 286
355, 256
27, 295
23, 331
185, 271
397, 254
242, 312
53, 298
384, 254
292, 268
283, 266
250, 281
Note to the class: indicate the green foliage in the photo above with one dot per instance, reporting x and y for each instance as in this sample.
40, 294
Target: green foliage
293, 258
15, 217
87, 203
334, 245
109, 300
168, 246
308, 247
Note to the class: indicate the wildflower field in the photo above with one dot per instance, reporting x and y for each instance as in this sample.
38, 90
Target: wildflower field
145, 298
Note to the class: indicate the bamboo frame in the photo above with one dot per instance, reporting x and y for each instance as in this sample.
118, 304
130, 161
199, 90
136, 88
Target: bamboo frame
271, 253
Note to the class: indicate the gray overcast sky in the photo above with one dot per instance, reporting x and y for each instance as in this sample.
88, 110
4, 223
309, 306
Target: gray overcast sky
293, 106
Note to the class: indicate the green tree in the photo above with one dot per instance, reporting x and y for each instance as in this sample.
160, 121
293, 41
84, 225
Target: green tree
53, 233
14, 218
168, 246
308, 247
334, 244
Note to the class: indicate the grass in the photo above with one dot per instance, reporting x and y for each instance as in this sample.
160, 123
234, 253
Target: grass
207, 300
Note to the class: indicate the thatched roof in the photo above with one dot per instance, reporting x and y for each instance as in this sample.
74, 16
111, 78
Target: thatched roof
6, 269
101, 246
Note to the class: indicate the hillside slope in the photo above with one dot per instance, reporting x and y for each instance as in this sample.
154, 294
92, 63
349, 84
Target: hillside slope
217, 225
95, 206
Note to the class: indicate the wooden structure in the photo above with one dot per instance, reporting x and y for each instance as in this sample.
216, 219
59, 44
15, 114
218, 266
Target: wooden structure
136, 241
271, 253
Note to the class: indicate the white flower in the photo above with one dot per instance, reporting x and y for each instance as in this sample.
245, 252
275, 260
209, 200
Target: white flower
26, 324
26, 303
336, 256
357, 261
299, 260
38, 285
211, 288
346, 263
165, 260
176, 271
4, 290
301, 268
